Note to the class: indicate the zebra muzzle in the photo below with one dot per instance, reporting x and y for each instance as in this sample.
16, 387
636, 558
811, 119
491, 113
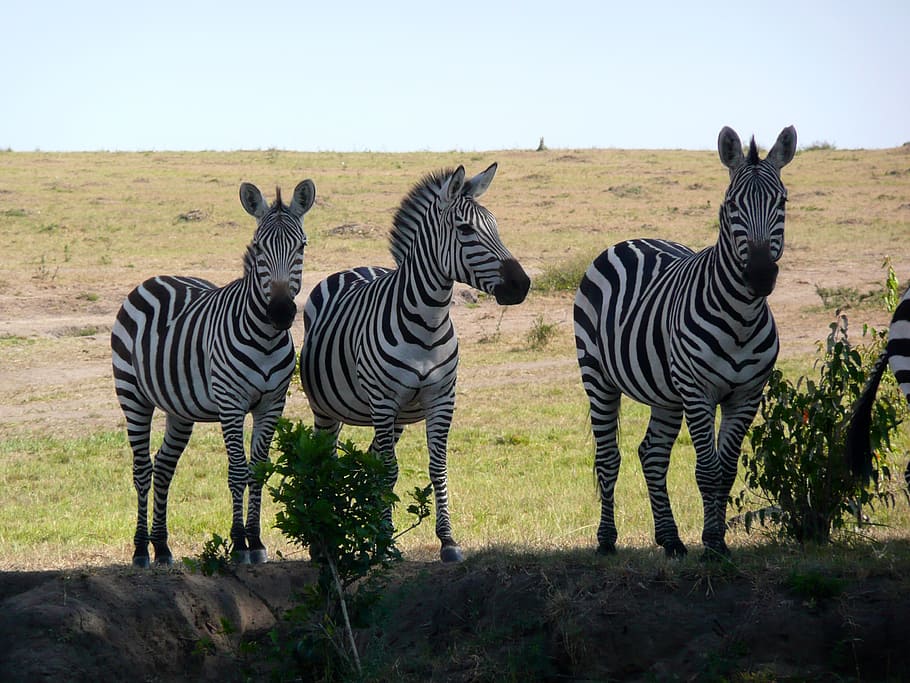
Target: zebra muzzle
281, 310
761, 271
514, 286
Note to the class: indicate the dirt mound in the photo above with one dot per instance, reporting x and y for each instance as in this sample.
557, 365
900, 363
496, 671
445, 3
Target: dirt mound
475, 621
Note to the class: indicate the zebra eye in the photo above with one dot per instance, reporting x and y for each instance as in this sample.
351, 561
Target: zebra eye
465, 228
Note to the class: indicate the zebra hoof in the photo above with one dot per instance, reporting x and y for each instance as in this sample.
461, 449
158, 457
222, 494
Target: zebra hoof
241, 556
259, 556
451, 553
606, 549
141, 561
675, 549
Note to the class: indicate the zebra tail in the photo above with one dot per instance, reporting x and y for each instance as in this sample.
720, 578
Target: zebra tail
858, 450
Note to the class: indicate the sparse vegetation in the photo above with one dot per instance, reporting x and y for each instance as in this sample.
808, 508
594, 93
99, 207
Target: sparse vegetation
541, 333
819, 146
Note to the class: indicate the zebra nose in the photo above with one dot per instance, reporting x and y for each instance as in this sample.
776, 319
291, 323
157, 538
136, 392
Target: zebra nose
761, 270
281, 309
514, 286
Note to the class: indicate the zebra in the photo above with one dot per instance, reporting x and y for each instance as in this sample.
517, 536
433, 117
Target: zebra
379, 346
684, 333
897, 355
201, 353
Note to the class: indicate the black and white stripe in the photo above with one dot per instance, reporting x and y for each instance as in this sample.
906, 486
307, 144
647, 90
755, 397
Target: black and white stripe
379, 347
684, 333
897, 355
201, 353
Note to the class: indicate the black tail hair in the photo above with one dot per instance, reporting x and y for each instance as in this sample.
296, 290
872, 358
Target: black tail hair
857, 449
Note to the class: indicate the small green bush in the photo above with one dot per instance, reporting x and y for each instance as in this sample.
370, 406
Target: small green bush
797, 462
337, 502
541, 333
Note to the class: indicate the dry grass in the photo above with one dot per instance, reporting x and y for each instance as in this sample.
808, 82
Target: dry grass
80, 230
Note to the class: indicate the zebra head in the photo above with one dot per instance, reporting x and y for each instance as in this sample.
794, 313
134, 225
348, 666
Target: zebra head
752, 215
275, 256
480, 258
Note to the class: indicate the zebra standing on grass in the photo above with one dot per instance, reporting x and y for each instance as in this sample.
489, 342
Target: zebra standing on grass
685, 332
379, 347
897, 355
201, 353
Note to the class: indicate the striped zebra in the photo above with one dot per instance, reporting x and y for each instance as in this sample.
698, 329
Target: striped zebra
897, 355
685, 332
202, 353
379, 347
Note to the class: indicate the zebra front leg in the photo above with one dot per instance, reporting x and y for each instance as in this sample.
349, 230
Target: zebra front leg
438, 422
734, 423
177, 434
654, 453
238, 480
709, 475
263, 431
379, 447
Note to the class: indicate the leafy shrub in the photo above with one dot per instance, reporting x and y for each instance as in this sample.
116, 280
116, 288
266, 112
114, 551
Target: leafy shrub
540, 333
215, 557
797, 461
337, 503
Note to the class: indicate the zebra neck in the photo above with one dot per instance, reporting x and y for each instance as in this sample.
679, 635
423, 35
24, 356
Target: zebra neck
729, 269
426, 296
250, 314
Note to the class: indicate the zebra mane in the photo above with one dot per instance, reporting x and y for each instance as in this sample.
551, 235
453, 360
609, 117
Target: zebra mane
753, 152
409, 217
278, 203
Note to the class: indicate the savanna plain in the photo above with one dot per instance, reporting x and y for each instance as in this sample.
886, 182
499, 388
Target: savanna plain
531, 601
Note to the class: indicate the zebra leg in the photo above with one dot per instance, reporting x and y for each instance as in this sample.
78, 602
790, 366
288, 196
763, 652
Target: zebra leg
238, 480
139, 425
654, 454
604, 400
438, 422
263, 431
710, 476
390, 460
324, 423
734, 423
177, 434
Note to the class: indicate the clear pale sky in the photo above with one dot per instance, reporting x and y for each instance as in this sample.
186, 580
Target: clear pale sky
462, 75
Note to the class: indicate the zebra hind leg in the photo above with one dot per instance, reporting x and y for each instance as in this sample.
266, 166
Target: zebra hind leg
604, 402
654, 453
139, 424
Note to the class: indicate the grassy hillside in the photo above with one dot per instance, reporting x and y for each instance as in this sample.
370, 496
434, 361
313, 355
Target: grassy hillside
80, 230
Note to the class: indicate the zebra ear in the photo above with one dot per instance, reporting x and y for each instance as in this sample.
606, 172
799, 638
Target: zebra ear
784, 149
304, 196
454, 186
477, 185
252, 200
730, 149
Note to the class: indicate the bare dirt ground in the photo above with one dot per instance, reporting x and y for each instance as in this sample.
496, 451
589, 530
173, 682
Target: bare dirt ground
115, 623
